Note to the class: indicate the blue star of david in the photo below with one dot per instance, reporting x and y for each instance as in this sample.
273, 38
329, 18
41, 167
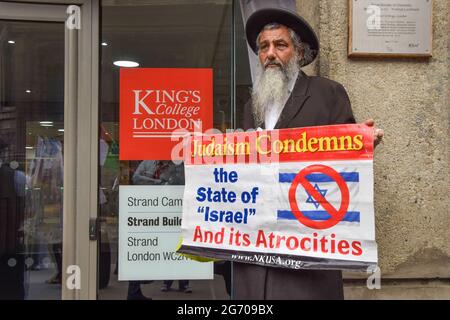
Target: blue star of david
310, 199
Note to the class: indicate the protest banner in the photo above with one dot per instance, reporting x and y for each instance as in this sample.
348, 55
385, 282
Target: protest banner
294, 198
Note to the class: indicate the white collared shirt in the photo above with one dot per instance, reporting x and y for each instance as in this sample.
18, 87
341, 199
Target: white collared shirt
273, 112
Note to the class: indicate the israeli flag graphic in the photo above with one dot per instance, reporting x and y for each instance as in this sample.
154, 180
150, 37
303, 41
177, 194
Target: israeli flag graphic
311, 207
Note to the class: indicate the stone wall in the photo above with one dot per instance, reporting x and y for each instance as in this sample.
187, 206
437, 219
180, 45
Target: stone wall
409, 99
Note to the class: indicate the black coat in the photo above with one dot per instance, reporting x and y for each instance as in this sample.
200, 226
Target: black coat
314, 101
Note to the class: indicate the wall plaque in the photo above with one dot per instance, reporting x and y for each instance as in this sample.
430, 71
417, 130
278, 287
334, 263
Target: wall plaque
390, 28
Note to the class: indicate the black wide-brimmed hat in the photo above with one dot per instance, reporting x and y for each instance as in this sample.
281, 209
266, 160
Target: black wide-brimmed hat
259, 19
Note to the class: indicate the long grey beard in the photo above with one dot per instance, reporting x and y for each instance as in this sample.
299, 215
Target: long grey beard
272, 88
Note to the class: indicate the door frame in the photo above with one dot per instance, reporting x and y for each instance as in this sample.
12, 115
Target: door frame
81, 90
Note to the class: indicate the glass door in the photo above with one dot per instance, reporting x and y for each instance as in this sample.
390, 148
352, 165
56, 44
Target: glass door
31, 155
156, 34
47, 106
174, 35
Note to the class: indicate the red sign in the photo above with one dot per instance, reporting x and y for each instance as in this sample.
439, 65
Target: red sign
160, 106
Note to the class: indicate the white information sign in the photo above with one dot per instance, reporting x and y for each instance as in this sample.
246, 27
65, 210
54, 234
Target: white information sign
149, 232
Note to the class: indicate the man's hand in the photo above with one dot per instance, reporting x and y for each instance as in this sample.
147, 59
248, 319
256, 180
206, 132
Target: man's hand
378, 133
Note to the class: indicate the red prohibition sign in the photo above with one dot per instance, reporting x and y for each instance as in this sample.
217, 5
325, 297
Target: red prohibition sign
336, 215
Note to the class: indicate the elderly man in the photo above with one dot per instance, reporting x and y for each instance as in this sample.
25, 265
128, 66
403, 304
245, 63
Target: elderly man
285, 97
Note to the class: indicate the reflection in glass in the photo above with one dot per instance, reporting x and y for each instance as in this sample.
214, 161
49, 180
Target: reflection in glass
157, 34
31, 159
